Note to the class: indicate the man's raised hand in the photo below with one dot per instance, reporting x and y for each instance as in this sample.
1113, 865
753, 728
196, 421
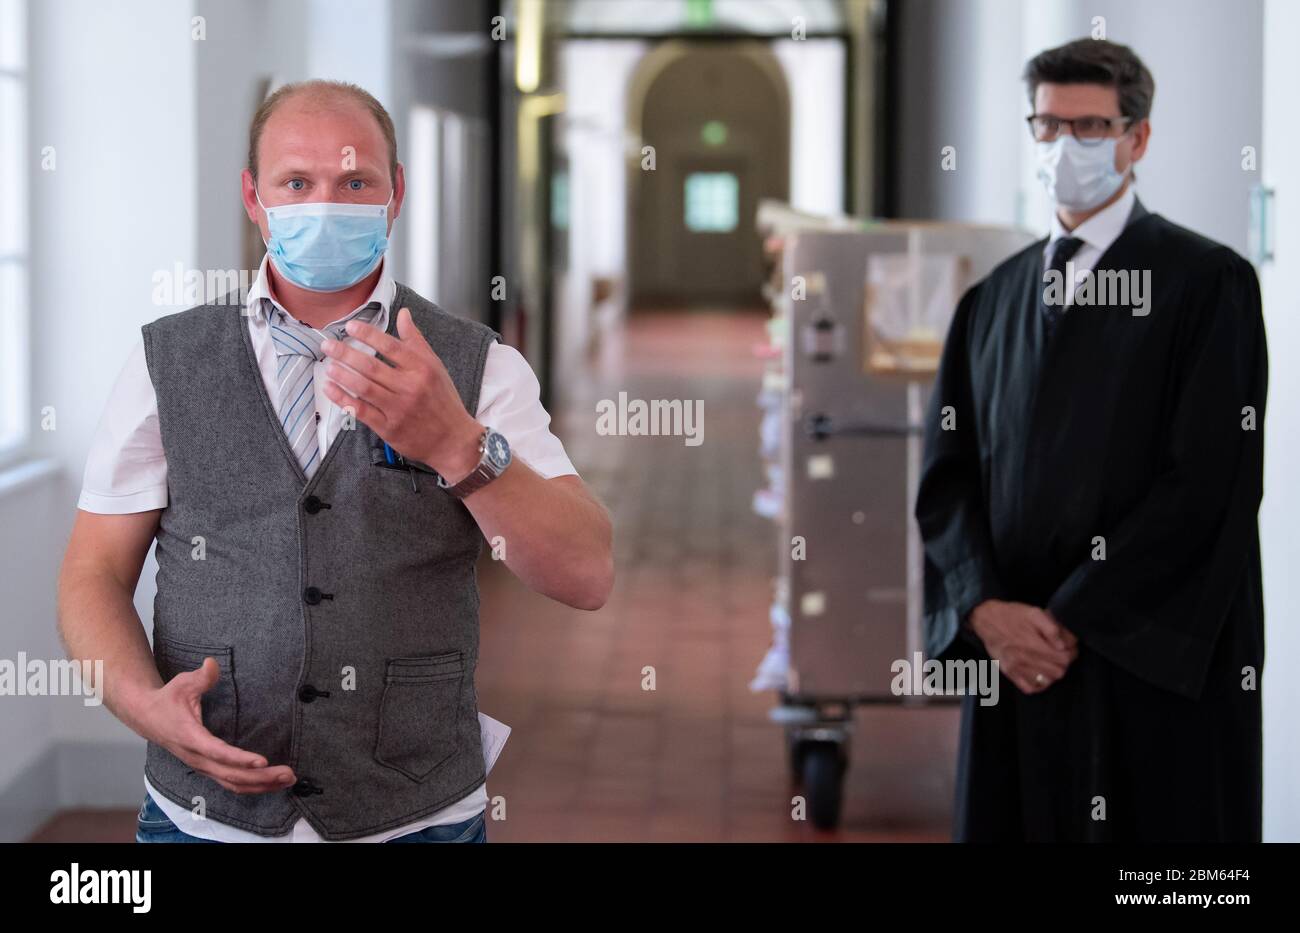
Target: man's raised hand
410, 401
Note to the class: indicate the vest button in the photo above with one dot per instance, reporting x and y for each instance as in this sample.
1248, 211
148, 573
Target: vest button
305, 788
312, 504
307, 693
311, 596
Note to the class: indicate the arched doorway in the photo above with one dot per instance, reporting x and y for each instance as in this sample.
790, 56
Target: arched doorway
716, 116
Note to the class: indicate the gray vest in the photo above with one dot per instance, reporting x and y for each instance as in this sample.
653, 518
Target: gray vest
343, 611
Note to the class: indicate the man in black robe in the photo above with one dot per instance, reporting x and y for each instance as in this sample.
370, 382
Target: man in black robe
1089, 496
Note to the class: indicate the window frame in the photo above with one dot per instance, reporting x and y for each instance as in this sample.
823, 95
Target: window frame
16, 434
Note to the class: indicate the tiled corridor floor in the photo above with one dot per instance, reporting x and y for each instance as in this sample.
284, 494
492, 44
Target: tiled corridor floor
592, 755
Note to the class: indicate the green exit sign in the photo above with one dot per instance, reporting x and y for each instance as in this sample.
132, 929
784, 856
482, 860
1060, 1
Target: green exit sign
699, 13
714, 133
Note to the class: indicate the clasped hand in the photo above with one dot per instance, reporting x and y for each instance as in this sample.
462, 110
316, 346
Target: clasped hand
1032, 649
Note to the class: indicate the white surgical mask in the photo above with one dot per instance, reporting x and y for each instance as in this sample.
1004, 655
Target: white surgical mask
1078, 177
326, 246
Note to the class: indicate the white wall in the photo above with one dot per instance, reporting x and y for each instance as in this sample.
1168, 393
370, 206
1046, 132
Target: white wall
28, 569
1281, 507
349, 41
113, 91
814, 70
596, 76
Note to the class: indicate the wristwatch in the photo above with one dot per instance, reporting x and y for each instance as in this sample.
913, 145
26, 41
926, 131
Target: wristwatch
494, 457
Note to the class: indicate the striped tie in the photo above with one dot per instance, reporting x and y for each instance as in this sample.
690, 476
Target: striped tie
297, 347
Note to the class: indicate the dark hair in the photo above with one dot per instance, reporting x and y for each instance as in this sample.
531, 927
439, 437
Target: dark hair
1096, 61
324, 92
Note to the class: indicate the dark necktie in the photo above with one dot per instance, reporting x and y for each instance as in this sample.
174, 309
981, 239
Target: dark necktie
1059, 253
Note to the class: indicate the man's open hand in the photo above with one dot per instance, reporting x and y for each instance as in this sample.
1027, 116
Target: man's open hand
172, 717
1031, 647
410, 401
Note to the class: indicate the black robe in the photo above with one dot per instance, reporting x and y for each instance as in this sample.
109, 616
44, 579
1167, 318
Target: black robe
1132, 429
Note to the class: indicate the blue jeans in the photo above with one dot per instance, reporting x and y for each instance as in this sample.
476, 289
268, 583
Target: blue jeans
152, 825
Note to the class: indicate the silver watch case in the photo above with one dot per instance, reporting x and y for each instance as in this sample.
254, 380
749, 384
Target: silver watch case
494, 457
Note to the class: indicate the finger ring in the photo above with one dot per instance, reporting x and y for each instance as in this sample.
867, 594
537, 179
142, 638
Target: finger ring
1040, 679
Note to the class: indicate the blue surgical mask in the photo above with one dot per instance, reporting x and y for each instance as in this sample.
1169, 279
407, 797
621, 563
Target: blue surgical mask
1078, 177
325, 246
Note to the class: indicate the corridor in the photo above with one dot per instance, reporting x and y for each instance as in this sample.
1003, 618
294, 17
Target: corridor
763, 218
596, 757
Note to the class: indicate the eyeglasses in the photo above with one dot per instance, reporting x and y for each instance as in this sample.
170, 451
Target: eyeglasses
1089, 131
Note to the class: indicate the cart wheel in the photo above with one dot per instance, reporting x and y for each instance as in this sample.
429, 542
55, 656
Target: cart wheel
823, 782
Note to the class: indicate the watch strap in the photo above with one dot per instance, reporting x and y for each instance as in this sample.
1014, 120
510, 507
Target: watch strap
480, 476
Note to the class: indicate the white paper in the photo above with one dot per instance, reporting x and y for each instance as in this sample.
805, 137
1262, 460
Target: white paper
494, 735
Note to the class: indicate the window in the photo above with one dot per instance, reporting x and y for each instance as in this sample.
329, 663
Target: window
14, 173
712, 202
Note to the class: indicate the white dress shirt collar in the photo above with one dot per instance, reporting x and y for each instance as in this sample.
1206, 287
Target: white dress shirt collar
384, 292
1102, 228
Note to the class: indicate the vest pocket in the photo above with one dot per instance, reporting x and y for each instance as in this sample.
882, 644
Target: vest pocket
220, 705
419, 713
